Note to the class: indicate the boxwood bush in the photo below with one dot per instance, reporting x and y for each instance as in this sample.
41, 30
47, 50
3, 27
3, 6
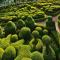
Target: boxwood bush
25, 33
35, 34
30, 22
9, 54
40, 30
46, 39
37, 56
10, 28
14, 38
20, 24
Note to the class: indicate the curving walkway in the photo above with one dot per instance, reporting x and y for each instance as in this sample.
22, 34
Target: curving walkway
56, 23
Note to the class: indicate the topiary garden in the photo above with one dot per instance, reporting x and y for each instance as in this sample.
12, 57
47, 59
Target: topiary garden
30, 31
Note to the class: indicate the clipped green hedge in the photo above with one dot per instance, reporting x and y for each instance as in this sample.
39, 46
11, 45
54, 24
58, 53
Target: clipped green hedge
37, 56
10, 28
9, 54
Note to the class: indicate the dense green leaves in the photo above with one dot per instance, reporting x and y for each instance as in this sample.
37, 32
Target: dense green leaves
35, 34
9, 54
10, 28
30, 22
37, 56
1, 53
20, 24
14, 38
25, 33
46, 39
28, 31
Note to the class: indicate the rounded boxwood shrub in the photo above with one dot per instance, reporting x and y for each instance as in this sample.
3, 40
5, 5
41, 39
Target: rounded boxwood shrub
10, 28
39, 29
35, 34
14, 38
46, 39
9, 54
25, 33
37, 56
1, 53
30, 22
45, 31
39, 15
20, 24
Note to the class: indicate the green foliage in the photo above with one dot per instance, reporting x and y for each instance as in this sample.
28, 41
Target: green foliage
25, 33
46, 39
59, 23
24, 51
50, 24
59, 17
36, 44
39, 45
35, 34
37, 56
30, 22
39, 29
49, 18
49, 53
2, 34
17, 58
40, 25
45, 31
1, 53
17, 44
28, 28
5, 42
10, 53
14, 38
26, 58
39, 15
20, 24
10, 28
28, 7
52, 10
32, 43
